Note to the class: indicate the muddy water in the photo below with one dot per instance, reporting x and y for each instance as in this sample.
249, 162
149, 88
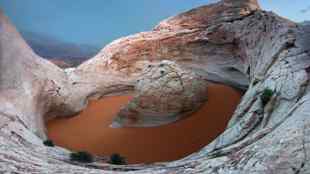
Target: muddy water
90, 129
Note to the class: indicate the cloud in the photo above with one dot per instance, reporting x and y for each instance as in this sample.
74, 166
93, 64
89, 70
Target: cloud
305, 10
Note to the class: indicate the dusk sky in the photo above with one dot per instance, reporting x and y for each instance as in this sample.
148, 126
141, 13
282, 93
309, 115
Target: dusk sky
98, 22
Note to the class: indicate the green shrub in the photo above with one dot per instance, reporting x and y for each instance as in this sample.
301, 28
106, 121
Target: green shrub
255, 81
266, 96
49, 143
82, 156
117, 159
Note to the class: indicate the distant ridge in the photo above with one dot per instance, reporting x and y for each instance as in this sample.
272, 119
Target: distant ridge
60, 52
305, 23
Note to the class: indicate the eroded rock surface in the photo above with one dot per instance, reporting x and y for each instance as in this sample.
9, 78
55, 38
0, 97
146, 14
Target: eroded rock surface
166, 93
232, 42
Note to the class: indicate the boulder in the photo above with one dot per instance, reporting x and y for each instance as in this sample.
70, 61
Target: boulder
165, 93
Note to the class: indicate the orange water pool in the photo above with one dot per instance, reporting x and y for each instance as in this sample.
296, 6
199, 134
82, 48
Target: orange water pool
90, 131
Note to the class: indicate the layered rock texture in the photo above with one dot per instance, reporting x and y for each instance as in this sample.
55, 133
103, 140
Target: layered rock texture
232, 42
165, 93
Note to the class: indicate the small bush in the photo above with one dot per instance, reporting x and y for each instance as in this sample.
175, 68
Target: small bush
82, 156
255, 82
117, 159
49, 143
266, 96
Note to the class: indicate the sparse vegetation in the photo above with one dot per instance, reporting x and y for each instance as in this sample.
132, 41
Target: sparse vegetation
117, 159
82, 156
255, 81
49, 143
266, 96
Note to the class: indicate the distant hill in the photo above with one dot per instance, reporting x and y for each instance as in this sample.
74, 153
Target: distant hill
62, 53
305, 23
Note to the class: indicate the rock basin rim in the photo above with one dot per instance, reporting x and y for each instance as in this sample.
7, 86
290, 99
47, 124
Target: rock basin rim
233, 42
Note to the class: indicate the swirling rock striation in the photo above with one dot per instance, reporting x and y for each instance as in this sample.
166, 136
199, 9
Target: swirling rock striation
232, 42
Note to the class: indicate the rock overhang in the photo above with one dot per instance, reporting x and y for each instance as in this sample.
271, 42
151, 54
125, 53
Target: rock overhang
266, 50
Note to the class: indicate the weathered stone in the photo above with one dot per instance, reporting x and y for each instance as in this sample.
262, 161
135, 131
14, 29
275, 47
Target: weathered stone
233, 42
165, 93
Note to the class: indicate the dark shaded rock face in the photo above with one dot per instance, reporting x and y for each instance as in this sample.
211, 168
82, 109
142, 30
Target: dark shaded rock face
232, 42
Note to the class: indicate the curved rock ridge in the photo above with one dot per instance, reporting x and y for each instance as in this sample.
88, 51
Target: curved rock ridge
196, 39
206, 16
166, 92
232, 42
